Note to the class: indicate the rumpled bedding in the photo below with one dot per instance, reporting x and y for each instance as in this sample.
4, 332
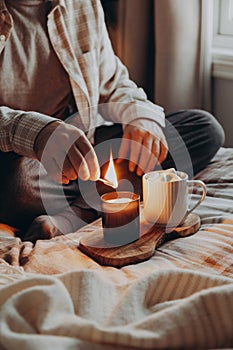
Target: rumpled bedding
52, 295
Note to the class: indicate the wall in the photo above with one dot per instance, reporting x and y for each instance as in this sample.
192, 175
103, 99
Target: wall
223, 106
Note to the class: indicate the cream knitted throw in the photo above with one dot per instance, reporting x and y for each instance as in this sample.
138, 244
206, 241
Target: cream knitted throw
89, 309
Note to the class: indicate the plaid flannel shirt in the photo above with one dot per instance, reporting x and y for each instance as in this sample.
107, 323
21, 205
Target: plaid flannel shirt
99, 81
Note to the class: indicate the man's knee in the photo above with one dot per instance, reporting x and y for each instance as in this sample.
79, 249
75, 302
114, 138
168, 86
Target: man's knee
199, 122
201, 134
213, 128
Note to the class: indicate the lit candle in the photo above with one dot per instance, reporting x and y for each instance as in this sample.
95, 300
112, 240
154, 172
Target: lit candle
120, 213
110, 175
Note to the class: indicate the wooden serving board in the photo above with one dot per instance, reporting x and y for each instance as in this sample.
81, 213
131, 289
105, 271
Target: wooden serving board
93, 244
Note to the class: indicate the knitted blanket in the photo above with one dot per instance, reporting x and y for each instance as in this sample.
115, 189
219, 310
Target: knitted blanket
53, 295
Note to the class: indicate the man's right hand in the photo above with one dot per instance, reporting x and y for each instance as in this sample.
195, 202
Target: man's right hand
66, 153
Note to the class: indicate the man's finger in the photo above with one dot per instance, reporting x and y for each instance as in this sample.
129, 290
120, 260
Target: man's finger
146, 152
68, 170
88, 153
60, 178
155, 150
163, 151
79, 164
135, 151
55, 172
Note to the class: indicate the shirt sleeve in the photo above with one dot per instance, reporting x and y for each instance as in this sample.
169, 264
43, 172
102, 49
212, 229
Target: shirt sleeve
121, 100
19, 129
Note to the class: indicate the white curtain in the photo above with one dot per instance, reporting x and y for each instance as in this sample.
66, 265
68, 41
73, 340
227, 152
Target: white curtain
166, 46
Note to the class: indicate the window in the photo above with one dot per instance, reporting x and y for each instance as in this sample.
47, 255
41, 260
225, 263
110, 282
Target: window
226, 17
223, 24
222, 48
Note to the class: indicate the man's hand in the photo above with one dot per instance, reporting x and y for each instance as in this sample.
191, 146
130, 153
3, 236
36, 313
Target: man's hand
144, 144
66, 153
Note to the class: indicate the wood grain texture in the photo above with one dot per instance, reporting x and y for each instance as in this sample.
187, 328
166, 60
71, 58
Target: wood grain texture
151, 237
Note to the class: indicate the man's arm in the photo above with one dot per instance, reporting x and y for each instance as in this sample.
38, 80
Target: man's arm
121, 101
61, 148
19, 129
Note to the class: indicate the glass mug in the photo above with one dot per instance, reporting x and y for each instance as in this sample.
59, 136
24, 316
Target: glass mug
166, 202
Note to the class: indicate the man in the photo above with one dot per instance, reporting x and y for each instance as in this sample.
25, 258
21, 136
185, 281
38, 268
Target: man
56, 61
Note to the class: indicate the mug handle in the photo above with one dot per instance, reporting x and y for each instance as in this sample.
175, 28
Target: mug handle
197, 183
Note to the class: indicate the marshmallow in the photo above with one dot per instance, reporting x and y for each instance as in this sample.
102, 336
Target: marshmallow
169, 175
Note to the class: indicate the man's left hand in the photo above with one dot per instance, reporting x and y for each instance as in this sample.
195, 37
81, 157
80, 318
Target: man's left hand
144, 145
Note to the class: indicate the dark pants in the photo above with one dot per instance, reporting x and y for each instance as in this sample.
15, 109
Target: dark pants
193, 137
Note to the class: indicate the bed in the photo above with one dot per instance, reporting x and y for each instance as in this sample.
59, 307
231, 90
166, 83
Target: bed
53, 295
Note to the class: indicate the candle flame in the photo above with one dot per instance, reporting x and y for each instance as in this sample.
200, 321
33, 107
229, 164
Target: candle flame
111, 172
